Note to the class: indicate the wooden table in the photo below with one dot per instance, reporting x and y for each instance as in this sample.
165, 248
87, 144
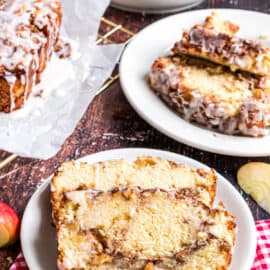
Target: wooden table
109, 123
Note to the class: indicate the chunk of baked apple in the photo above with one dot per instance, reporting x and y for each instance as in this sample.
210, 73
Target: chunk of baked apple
9, 225
254, 179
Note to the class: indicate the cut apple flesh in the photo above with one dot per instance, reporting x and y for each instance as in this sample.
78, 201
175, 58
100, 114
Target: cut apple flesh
4, 236
254, 179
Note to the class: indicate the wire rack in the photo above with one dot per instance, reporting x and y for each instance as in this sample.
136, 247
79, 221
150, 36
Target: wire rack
105, 38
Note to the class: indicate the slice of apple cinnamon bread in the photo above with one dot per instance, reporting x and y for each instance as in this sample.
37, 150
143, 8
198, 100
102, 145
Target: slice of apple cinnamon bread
134, 228
212, 95
146, 172
222, 48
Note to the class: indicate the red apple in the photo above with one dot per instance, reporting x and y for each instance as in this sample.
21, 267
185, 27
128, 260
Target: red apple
9, 225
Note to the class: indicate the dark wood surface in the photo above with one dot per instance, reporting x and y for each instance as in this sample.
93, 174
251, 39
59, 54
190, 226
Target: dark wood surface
110, 123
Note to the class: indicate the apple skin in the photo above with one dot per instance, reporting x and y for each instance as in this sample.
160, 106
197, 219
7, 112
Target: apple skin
9, 225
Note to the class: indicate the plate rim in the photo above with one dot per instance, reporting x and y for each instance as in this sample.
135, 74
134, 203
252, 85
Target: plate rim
244, 152
157, 10
121, 153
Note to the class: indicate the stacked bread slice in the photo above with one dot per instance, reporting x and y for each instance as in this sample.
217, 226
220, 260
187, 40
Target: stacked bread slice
146, 214
217, 79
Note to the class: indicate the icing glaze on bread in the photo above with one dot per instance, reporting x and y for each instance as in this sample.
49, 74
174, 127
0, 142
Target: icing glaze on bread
29, 30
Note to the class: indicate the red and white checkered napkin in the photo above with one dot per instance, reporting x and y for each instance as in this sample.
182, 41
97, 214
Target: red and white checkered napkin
19, 263
262, 260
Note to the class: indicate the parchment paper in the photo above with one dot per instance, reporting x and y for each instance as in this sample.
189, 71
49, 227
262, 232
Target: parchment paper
68, 86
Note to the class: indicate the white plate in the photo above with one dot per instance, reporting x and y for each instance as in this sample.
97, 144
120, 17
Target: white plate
155, 6
155, 41
38, 236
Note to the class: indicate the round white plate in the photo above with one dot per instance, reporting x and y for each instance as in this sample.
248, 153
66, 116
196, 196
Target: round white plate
155, 41
155, 6
38, 236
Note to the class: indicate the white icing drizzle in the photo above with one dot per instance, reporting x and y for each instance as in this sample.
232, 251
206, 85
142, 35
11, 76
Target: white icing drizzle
26, 28
252, 120
11, 79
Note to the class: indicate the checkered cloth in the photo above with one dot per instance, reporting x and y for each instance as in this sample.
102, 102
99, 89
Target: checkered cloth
19, 263
262, 260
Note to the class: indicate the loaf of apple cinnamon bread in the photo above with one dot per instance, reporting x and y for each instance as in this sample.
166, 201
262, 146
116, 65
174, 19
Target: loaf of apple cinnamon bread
29, 30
